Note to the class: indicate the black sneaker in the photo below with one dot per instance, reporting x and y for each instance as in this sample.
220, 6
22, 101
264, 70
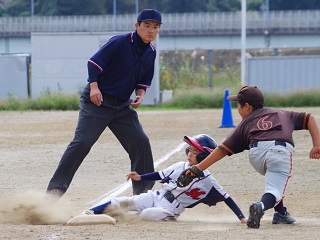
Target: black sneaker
282, 219
255, 215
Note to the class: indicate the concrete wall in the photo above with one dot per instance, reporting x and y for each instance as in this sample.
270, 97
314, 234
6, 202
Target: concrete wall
23, 44
14, 77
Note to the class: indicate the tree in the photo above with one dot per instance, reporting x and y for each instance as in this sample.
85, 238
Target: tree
80, 7
46, 8
99, 7
16, 8
294, 4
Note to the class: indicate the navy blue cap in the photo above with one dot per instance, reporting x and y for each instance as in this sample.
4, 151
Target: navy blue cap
149, 15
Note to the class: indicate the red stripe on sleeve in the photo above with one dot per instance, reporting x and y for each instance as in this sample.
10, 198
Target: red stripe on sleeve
96, 65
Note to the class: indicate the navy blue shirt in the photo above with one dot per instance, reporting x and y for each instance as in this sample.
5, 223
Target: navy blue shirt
121, 66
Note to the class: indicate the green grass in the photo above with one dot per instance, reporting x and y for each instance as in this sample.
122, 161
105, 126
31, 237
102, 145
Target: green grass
298, 99
205, 98
197, 98
55, 101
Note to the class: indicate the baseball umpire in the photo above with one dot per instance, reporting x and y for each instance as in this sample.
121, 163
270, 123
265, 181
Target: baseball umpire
267, 134
123, 65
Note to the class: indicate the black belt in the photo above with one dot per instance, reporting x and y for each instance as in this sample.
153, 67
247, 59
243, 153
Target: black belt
169, 196
112, 100
255, 144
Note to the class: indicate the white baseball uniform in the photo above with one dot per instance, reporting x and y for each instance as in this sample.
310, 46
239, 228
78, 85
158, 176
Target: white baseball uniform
170, 201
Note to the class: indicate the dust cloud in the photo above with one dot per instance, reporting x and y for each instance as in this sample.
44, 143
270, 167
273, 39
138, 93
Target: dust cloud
37, 209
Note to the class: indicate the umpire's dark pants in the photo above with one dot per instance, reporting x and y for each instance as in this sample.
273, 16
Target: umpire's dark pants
123, 121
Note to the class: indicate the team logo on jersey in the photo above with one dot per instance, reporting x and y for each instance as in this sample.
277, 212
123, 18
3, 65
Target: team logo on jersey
195, 193
263, 124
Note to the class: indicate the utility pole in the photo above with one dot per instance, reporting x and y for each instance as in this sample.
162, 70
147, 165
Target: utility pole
32, 8
267, 31
137, 7
114, 15
243, 41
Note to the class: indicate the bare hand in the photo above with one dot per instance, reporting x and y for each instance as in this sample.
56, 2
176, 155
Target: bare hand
95, 95
134, 176
315, 152
136, 103
243, 220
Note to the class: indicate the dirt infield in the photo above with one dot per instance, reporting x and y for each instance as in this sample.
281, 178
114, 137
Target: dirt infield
31, 144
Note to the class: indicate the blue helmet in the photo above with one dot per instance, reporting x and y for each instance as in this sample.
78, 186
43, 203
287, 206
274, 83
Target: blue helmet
202, 142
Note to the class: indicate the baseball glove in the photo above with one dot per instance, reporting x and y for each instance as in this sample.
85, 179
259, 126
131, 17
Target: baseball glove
184, 180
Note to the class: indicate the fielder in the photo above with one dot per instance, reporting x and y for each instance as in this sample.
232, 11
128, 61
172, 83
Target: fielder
170, 201
267, 134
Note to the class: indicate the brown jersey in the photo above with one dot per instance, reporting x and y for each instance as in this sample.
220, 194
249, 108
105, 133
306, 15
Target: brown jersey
265, 124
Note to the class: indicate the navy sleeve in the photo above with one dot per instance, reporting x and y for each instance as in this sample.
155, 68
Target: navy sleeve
146, 80
93, 72
151, 176
234, 207
98, 62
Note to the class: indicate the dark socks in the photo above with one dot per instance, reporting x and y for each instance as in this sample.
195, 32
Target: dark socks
268, 200
280, 208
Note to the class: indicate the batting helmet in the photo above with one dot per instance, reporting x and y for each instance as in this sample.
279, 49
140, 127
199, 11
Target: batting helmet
202, 142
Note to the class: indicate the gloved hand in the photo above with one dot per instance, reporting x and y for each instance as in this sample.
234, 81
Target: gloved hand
185, 179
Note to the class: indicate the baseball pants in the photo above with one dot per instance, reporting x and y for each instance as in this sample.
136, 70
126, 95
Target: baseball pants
275, 163
123, 121
152, 206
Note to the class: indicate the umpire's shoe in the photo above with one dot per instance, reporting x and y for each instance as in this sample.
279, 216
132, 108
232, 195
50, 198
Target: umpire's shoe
282, 219
54, 194
255, 215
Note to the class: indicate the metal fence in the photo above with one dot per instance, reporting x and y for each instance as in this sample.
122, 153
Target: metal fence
278, 22
285, 74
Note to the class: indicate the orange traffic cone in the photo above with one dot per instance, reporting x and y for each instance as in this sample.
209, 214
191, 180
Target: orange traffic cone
227, 120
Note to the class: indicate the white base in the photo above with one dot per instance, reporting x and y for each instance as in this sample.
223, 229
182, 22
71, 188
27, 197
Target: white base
91, 220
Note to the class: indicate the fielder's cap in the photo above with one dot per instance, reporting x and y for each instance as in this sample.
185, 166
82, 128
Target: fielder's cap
202, 142
149, 15
249, 94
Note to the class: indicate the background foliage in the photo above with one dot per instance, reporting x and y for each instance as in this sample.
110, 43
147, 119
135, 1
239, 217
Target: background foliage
186, 73
99, 7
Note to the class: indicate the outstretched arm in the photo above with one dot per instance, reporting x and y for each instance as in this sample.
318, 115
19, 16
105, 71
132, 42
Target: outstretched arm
213, 157
153, 176
315, 135
234, 207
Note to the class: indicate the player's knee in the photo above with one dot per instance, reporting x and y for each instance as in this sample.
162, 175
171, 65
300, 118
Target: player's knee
149, 215
155, 214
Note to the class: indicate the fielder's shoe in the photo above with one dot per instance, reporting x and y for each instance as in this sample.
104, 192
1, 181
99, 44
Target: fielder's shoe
255, 215
282, 219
